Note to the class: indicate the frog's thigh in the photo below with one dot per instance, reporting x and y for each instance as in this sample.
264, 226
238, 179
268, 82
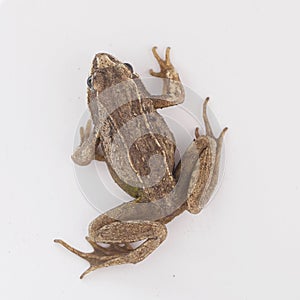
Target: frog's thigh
154, 233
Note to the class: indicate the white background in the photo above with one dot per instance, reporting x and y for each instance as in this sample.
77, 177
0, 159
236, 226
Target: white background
244, 54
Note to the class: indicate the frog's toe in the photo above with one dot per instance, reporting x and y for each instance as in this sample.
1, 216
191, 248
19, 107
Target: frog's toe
197, 132
166, 68
85, 133
98, 263
158, 58
208, 127
71, 249
156, 74
162, 62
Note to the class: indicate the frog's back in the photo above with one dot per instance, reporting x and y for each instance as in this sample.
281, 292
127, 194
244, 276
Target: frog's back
137, 144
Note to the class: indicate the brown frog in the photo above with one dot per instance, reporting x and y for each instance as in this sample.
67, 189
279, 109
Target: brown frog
128, 134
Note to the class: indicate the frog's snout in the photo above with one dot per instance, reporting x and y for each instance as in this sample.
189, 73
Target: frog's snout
103, 61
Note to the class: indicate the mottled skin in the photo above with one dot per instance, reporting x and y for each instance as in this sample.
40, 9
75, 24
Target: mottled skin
127, 133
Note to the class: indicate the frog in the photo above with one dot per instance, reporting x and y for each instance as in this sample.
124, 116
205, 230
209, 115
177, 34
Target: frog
128, 134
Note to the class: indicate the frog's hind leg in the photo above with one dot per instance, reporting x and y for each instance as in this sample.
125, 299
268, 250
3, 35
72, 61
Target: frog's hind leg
219, 141
208, 128
118, 235
205, 174
198, 172
209, 132
124, 232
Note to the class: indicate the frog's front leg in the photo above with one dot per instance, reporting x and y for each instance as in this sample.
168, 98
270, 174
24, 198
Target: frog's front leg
173, 91
118, 235
88, 148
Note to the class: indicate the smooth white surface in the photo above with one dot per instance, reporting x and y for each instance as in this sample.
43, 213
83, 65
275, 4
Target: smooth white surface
244, 54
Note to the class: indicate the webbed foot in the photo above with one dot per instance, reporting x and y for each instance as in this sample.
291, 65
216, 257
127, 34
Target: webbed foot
100, 257
119, 235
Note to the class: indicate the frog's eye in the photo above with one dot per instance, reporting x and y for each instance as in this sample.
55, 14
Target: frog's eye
89, 82
129, 66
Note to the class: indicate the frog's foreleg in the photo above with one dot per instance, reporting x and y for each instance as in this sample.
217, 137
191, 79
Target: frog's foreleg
88, 147
173, 91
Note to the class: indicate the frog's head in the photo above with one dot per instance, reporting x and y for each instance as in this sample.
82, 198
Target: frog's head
107, 71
